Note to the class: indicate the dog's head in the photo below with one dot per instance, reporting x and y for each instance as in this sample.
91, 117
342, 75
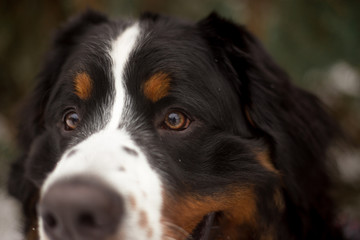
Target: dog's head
164, 129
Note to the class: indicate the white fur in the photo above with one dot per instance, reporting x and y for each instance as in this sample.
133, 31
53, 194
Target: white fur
121, 49
102, 155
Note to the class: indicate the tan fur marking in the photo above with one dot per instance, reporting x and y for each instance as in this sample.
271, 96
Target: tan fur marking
269, 233
157, 86
132, 202
143, 219
83, 85
267, 236
238, 206
150, 233
279, 200
264, 160
33, 233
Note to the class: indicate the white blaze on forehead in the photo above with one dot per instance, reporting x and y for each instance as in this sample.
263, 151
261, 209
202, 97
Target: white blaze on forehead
120, 52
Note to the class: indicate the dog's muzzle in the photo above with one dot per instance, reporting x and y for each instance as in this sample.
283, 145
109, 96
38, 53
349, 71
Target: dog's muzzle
102, 188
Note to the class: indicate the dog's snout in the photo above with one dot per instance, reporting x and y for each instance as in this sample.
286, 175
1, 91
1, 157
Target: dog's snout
80, 209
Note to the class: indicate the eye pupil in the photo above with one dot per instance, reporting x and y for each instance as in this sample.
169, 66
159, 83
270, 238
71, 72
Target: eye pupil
71, 121
174, 119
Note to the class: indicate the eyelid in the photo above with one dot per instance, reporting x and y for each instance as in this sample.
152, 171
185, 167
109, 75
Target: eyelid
68, 110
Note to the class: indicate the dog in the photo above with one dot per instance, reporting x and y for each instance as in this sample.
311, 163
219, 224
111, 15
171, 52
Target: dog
162, 128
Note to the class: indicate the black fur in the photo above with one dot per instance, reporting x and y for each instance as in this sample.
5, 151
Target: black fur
293, 122
241, 102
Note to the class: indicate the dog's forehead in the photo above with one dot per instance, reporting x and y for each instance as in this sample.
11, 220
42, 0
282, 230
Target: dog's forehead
175, 48
142, 62
174, 54
173, 59
156, 48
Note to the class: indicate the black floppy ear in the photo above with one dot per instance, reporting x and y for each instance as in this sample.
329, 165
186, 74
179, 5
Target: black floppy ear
31, 123
274, 105
294, 122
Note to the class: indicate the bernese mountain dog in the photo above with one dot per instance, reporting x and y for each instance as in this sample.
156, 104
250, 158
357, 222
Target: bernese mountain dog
161, 128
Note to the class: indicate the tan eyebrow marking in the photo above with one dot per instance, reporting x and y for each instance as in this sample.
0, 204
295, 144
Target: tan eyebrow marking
83, 85
157, 86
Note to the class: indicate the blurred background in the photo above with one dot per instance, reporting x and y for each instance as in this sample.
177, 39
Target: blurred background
316, 41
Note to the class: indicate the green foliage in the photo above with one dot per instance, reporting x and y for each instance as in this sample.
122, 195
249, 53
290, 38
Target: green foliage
312, 34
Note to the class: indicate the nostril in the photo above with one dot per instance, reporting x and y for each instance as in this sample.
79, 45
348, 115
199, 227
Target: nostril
50, 220
87, 220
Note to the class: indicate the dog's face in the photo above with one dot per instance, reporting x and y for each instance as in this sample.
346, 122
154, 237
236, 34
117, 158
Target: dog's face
148, 130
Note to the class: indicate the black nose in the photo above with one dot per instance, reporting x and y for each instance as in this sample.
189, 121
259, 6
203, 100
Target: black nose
80, 209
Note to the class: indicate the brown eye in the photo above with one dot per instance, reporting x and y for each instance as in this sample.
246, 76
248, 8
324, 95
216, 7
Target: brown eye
71, 121
176, 121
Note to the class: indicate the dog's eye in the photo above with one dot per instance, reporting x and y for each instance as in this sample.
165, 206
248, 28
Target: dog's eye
71, 121
176, 120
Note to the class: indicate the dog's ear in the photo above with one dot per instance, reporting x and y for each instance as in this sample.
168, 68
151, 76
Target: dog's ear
270, 101
31, 123
293, 121
259, 82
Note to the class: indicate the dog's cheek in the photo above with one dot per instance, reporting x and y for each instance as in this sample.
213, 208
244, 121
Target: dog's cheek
42, 158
